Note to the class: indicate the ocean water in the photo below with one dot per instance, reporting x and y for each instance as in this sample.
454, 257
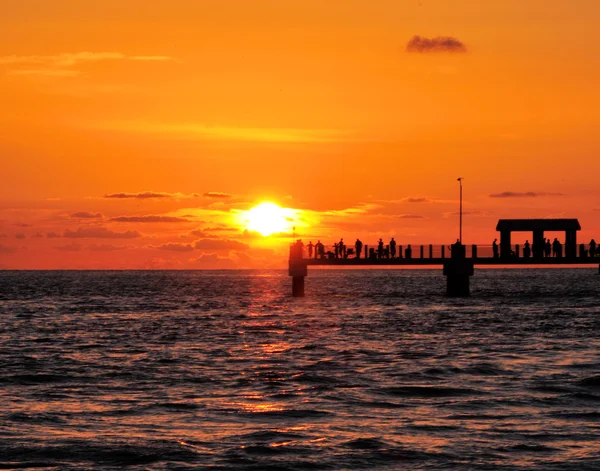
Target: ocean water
371, 370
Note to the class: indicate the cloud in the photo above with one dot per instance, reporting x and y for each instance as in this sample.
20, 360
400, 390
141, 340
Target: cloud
22, 224
7, 249
418, 199
220, 244
38, 235
516, 194
106, 247
73, 247
211, 258
175, 247
410, 216
99, 233
216, 194
86, 215
149, 195
52, 235
20, 236
438, 44
220, 229
71, 59
148, 219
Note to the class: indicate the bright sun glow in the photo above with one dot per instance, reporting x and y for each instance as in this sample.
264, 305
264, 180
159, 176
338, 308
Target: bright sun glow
268, 218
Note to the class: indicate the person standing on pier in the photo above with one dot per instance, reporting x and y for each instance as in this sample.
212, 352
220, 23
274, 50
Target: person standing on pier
358, 245
526, 249
408, 252
310, 250
592, 248
319, 249
393, 248
380, 249
342, 248
547, 248
495, 248
336, 250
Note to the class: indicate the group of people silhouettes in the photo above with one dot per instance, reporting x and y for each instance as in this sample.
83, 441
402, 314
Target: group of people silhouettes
548, 249
341, 250
392, 250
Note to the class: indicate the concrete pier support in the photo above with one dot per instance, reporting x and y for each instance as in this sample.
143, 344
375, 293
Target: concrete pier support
298, 286
297, 270
458, 273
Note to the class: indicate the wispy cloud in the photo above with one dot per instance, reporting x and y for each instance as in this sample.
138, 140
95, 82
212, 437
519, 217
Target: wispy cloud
420, 44
99, 233
146, 195
216, 194
7, 249
527, 194
66, 64
86, 215
71, 59
106, 247
174, 247
148, 219
220, 244
410, 216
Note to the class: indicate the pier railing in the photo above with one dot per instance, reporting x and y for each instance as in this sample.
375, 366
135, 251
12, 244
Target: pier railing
437, 251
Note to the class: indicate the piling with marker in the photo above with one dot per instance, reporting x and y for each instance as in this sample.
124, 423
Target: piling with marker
297, 270
458, 272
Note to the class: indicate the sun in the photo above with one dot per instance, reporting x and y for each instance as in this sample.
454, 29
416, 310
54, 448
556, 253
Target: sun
268, 218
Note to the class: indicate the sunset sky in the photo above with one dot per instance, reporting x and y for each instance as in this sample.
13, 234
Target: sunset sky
135, 133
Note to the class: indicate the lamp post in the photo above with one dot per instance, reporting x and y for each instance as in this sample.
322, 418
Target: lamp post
460, 179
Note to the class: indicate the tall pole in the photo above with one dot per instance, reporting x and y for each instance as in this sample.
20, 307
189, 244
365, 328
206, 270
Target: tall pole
460, 212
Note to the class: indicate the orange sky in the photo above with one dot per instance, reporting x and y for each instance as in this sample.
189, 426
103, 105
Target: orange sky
317, 106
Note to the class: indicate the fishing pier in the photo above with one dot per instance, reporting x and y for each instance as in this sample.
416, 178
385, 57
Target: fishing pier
458, 260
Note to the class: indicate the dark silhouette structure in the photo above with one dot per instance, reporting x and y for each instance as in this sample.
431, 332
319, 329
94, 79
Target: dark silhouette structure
537, 227
458, 259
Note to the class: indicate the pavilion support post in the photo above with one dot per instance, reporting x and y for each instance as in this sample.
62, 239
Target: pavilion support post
538, 244
458, 272
505, 247
570, 244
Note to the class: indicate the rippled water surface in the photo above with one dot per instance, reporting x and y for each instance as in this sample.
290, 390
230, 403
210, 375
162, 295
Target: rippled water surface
372, 370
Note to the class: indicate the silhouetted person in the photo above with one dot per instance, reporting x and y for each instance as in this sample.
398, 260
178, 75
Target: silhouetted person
342, 248
336, 250
299, 248
592, 248
380, 248
408, 252
495, 248
310, 249
393, 248
358, 245
320, 249
556, 248
526, 249
547, 248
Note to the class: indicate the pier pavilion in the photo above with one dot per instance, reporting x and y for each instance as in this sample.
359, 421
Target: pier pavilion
538, 227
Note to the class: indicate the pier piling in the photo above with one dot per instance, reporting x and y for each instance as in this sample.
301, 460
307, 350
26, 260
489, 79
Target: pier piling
458, 272
298, 269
